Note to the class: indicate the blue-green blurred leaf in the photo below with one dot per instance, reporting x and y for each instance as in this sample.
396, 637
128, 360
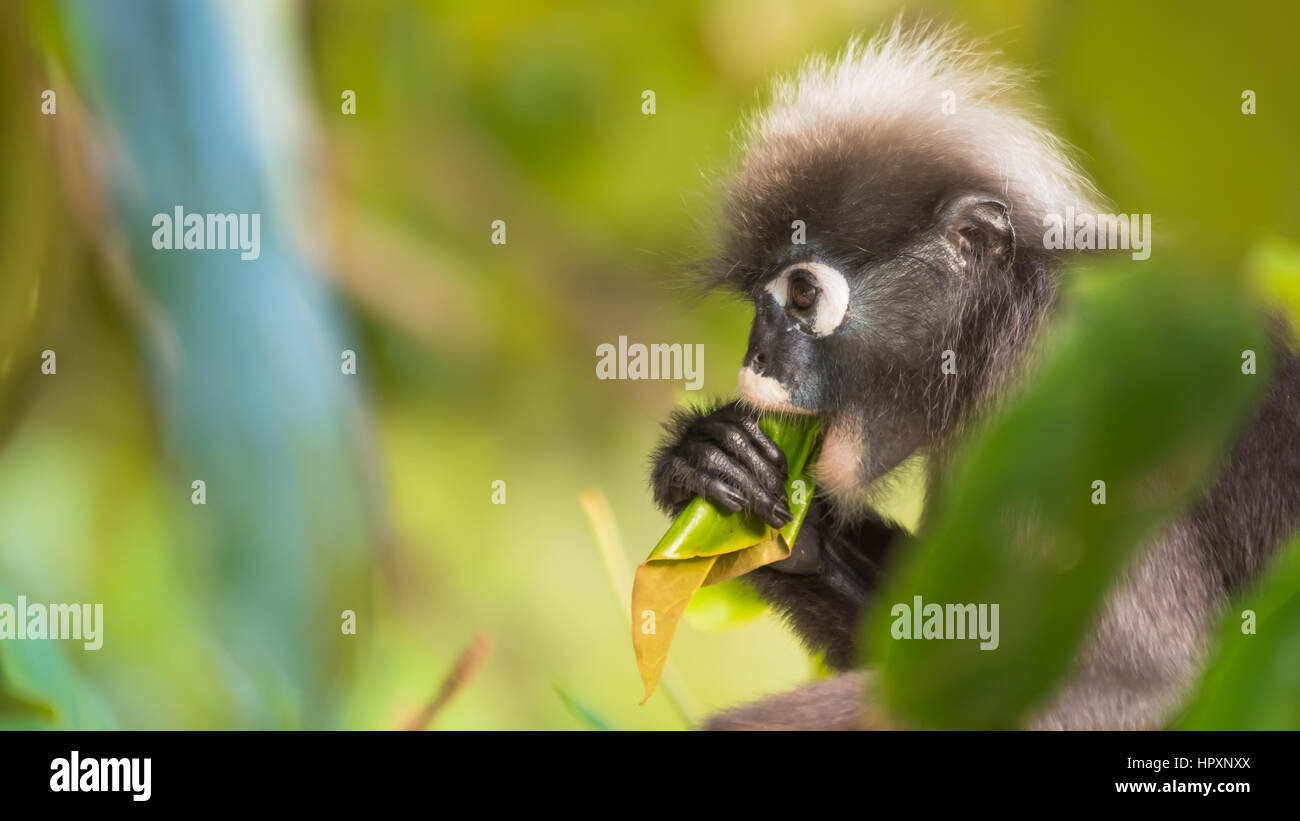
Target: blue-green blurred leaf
40, 689
581, 711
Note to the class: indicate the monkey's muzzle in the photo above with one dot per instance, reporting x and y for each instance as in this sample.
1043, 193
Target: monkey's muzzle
765, 393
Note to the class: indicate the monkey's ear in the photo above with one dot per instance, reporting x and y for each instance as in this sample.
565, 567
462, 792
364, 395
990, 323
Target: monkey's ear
977, 227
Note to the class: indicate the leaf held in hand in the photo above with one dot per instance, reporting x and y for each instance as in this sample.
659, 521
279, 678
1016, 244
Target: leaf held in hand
707, 545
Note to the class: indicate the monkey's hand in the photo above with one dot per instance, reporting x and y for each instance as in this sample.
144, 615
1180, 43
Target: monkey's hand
723, 455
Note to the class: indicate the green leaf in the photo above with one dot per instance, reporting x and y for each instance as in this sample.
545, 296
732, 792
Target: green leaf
725, 606
704, 529
1253, 682
40, 689
1274, 267
1144, 393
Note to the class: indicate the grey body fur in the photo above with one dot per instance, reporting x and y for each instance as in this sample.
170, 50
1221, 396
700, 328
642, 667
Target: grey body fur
935, 221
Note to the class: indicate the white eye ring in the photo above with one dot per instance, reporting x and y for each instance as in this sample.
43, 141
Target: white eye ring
833, 294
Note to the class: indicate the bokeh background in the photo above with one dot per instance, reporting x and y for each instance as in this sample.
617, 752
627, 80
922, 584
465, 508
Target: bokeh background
476, 362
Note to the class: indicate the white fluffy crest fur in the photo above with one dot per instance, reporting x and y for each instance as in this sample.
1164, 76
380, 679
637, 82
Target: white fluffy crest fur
898, 82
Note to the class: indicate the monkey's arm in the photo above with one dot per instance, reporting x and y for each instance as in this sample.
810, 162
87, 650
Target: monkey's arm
722, 454
836, 570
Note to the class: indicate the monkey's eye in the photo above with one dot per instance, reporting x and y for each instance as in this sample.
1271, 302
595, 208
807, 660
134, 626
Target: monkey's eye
803, 292
815, 294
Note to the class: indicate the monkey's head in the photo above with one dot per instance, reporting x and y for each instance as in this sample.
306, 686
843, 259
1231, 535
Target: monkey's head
886, 222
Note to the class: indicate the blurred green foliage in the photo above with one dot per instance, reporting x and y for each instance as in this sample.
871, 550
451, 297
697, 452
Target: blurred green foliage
477, 361
1253, 683
1144, 401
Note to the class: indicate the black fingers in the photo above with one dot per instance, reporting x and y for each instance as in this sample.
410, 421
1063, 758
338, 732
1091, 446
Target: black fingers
748, 466
725, 457
740, 444
672, 480
724, 475
769, 449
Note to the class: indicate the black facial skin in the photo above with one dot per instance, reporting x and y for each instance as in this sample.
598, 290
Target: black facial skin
939, 257
782, 347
